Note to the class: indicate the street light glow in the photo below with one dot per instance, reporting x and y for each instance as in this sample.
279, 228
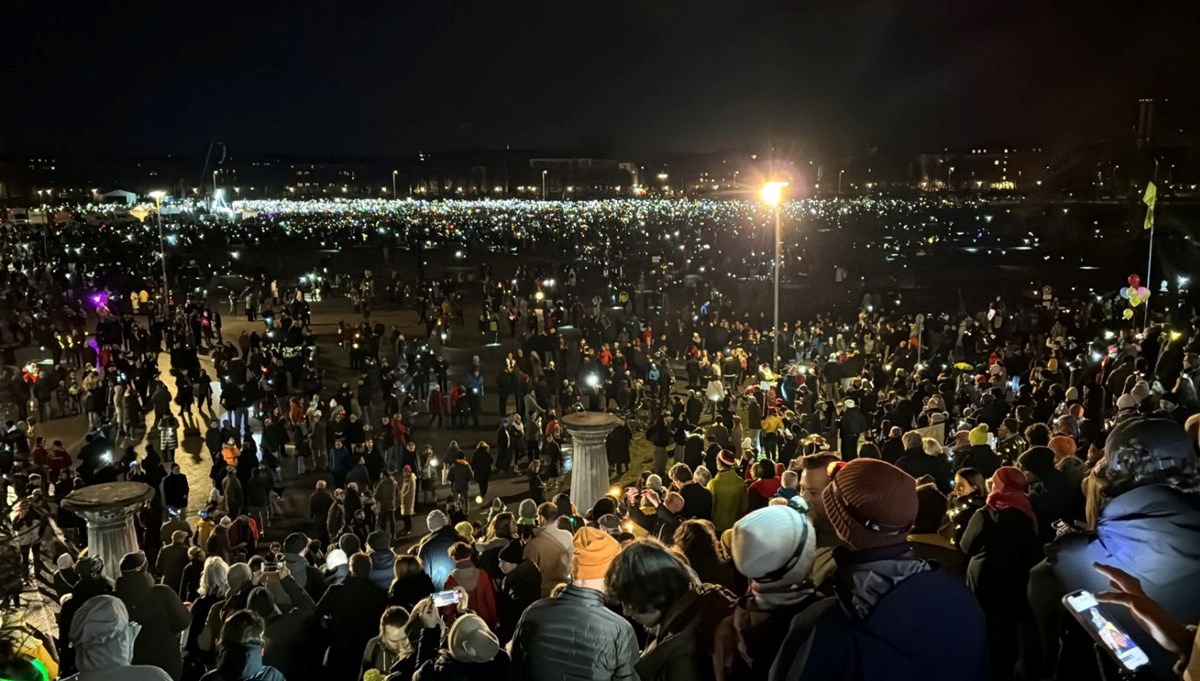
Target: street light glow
772, 192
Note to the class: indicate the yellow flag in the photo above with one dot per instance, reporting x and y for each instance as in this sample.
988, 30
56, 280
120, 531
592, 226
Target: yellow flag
1150, 198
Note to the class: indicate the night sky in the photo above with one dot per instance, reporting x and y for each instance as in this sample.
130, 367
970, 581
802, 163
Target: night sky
389, 78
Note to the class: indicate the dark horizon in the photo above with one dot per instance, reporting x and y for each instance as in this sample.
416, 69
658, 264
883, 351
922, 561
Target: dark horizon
675, 77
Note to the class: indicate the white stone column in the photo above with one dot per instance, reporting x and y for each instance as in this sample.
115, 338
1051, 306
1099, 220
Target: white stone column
589, 466
108, 510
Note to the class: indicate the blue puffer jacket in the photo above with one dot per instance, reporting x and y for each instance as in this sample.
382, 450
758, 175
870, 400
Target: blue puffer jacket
1151, 532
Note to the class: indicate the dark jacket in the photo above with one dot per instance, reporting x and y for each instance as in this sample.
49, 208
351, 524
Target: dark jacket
352, 611
1054, 498
1151, 532
1003, 547
294, 637
518, 590
171, 561
434, 664
408, 590
681, 648
697, 502
573, 636
979, 457
867, 630
382, 572
237, 662
433, 553
616, 445
160, 612
661, 524
917, 463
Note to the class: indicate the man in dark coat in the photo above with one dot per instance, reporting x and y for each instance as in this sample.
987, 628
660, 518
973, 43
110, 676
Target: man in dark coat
172, 559
1051, 493
917, 463
852, 425
616, 445
520, 587
980, 455
351, 612
1150, 528
160, 612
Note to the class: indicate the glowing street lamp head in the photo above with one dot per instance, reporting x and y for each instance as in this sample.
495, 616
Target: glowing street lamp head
772, 192
157, 195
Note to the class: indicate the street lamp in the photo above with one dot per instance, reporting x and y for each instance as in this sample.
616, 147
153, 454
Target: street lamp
162, 245
394, 183
544, 184
771, 194
949, 174
215, 193
840, 173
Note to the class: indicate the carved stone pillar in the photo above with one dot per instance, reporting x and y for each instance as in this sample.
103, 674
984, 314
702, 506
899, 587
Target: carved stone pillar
589, 465
108, 510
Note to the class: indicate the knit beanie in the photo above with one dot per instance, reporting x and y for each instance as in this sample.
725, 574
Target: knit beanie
436, 520
1038, 460
379, 541
133, 562
871, 504
335, 559
594, 550
513, 552
1063, 446
471, 641
979, 435
774, 545
725, 458
1126, 401
1140, 391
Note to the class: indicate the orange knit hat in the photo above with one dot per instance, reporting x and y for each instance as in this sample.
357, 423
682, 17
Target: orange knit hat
594, 550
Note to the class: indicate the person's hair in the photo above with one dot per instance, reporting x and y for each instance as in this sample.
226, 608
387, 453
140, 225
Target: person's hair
647, 576
702, 475
459, 551
244, 627
1037, 435
911, 440
195, 553
697, 540
360, 565
868, 450
501, 526
394, 616
932, 447
214, 578
789, 479
681, 472
819, 460
405, 565
764, 469
931, 508
548, 511
975, 478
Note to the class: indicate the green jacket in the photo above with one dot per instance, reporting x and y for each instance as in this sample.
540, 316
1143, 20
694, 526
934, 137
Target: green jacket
729, 499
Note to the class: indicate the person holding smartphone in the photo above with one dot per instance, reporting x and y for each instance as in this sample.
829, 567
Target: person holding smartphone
471, 650
1174, 637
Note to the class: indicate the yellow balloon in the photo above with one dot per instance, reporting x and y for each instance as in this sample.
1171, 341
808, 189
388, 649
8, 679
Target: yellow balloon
1128, 314
1135, 300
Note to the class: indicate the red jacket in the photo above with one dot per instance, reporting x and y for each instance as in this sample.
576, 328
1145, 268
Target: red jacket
481, 597
436, 404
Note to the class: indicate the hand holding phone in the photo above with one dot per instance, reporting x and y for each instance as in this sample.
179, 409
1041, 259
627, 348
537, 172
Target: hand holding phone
445, 603
1127, 591
1097, 622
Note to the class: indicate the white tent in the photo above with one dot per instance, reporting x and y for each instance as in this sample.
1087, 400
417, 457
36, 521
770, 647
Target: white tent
119, 196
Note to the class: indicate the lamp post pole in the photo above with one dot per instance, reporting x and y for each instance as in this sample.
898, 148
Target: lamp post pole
394, 185
778, 262
544, 184
162, 248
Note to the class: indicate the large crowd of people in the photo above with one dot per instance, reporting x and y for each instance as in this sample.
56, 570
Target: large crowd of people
888, 497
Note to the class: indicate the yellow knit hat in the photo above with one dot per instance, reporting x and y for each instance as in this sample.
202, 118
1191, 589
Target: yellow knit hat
594, 550
979, 434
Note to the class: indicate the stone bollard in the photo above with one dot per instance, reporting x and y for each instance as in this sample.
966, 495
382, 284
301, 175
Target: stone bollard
108, 510
589, 466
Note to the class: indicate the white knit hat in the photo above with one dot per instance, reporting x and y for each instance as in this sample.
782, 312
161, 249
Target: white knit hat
336, 558
1126, 401
775, 545
436, 520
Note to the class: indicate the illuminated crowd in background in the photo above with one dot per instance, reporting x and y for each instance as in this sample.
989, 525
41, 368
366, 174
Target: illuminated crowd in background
793, 491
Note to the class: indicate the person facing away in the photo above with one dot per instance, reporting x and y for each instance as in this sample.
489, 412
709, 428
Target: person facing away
102, 636
240, 650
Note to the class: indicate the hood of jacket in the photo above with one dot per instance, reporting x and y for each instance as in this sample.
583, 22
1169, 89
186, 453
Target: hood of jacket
1153, 520
865, 577
102, 634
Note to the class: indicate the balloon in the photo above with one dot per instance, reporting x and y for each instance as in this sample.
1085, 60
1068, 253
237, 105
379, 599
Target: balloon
1135, 300
1143, 292
1128, 313
1134, 280
1124, 293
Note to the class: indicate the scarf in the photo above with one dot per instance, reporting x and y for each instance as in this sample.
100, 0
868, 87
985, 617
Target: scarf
1010, 490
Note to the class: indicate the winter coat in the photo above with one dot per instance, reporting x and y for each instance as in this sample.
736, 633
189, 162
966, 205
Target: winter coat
382, 569
439, 665
1151, 532
460, 476
237, 662
867, 631
574, 636
681, 648
550, 550
293, 637
917, 463
409, 590
1003, 546
408, 493
979, 457
170, 563
518, 590
433, 553
729, 499
616, 445
481, 464
481, 596
352, 610
162, 616
386, 494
